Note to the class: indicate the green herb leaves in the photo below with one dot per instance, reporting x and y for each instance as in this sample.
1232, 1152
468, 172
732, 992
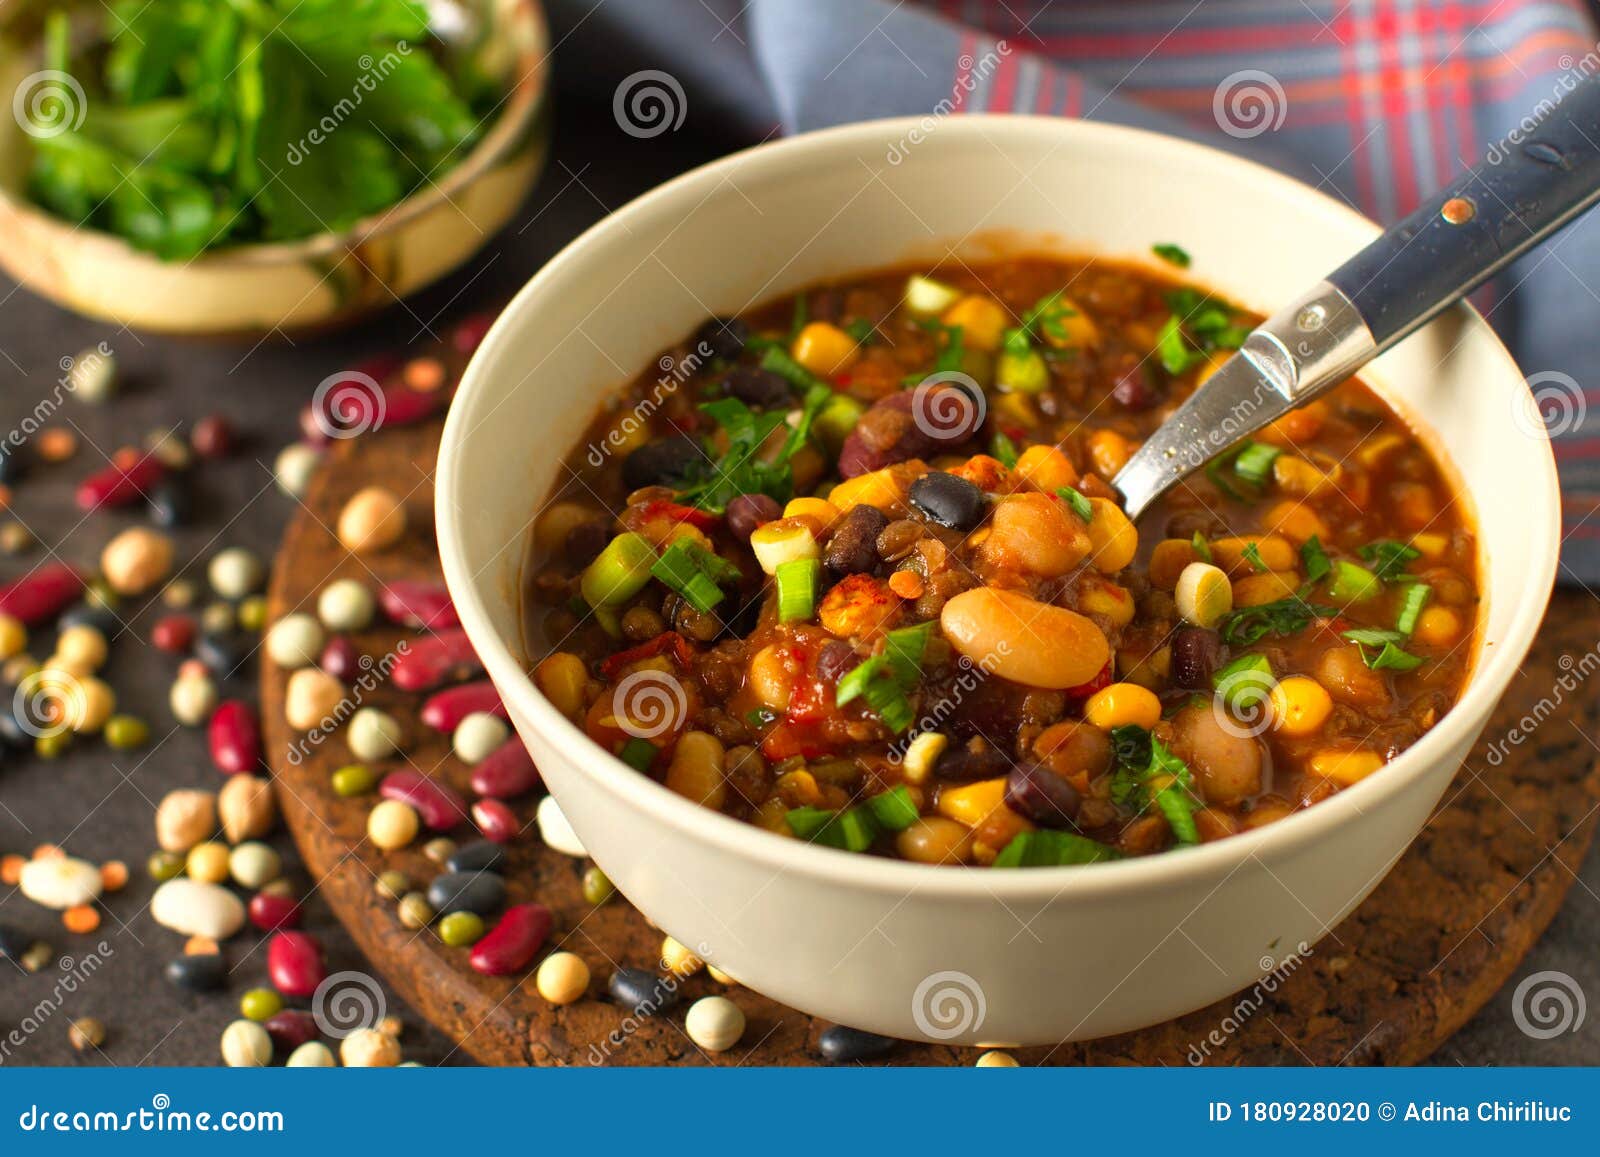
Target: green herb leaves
218, 123
742, 469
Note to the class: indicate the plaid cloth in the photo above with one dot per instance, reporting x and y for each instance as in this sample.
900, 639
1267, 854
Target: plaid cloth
1375, 101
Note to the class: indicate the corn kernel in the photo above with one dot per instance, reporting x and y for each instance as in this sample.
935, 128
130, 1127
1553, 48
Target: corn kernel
972, 803
562, 677
1432, 546
1167, 561
982, 320
1073, 327
1112, 538
1297, 522
884, 489
819, 512
1109, 452
1047, 468
1122, 705
1259, 589
1275, 553
824, 349
1099, 597
1300, 706
1345, 767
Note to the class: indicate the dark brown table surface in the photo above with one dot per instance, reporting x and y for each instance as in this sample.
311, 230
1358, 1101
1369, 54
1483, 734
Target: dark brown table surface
99, 804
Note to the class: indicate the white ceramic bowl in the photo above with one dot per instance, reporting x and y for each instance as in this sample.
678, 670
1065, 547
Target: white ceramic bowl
966, 955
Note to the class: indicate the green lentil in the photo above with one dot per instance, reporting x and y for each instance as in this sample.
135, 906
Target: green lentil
353, 780
440, 849
597, 886
415, 911
253, 614
16, 538
52, 744
260, 1004
217, 618
164, 866
125, 732
392, 885
459, 929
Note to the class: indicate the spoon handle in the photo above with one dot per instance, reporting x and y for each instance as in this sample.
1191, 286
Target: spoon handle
1527, 187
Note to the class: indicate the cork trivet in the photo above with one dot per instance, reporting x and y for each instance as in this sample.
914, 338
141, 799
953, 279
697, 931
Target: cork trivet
1438, 937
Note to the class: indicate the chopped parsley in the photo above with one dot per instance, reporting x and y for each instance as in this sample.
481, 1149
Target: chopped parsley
1143, 759
1389, 558
1280, 619
1252, 555
1004, 449
1317, 563
1074, 498
1171, 254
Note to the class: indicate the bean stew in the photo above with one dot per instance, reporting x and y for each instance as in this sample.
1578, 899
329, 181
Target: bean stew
850, 567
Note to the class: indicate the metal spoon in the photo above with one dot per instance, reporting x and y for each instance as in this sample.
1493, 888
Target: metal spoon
1469, 231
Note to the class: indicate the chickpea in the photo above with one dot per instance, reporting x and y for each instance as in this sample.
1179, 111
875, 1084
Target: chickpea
696, 769
935, 840
770, 677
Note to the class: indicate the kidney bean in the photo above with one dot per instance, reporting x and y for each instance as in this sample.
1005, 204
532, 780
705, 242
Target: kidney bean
495, 820
511, 944
1196, 655
234, 736
439, 805
443, 710
1038, 793
963, 764
173, 634
294, 961
424, 606
909, 424
270, 911
507, 772
853, 547
341, 659
354, 405
1133, 390
433, 661
119, 485
747, 512
42, 594
213, 437
290, 1029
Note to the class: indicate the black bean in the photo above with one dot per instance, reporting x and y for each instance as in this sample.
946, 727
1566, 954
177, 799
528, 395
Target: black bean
13, 463
948, 500
1133, 390
641, 991
14, 942
198, 972
1196, 655
660, 463
586, 540
225, 652
1035, 791
970, 763
759, 388
171, 503
480, 892
853, 547
748, 511
838, 1043
478, 856
724, 337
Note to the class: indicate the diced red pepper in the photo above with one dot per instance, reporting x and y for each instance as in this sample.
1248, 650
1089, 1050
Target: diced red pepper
1100, 681
668, 641
665, 508
788, 739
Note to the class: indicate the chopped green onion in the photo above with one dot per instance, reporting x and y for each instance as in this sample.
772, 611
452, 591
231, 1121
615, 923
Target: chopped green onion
1047, 849
894, 809
1352, 583
905, 647
1372, 636
1381, 649
778, 361
797, 589
1173, 352
694, 572
806, 822
801, 315
852, 830
1217, 472
760, 716
618, 572
638, 754
1416, 597
1317, 563
1388, 557
1074, 498
885, 680
1005, 450
954, 351
1252, 555
1245, 682
1254, 463
1171, 253
1202, 548
861, 330
1287, 616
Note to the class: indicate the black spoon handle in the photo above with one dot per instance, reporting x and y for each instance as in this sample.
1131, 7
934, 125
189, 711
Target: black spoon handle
1525, 190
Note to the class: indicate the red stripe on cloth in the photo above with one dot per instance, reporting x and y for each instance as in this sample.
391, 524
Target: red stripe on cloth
1350, 81
1073, 105
1044, 99
1457, 78
1003, 92
964, 52
1396, 108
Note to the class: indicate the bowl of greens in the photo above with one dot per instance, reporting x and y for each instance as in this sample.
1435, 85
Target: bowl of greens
235, 167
